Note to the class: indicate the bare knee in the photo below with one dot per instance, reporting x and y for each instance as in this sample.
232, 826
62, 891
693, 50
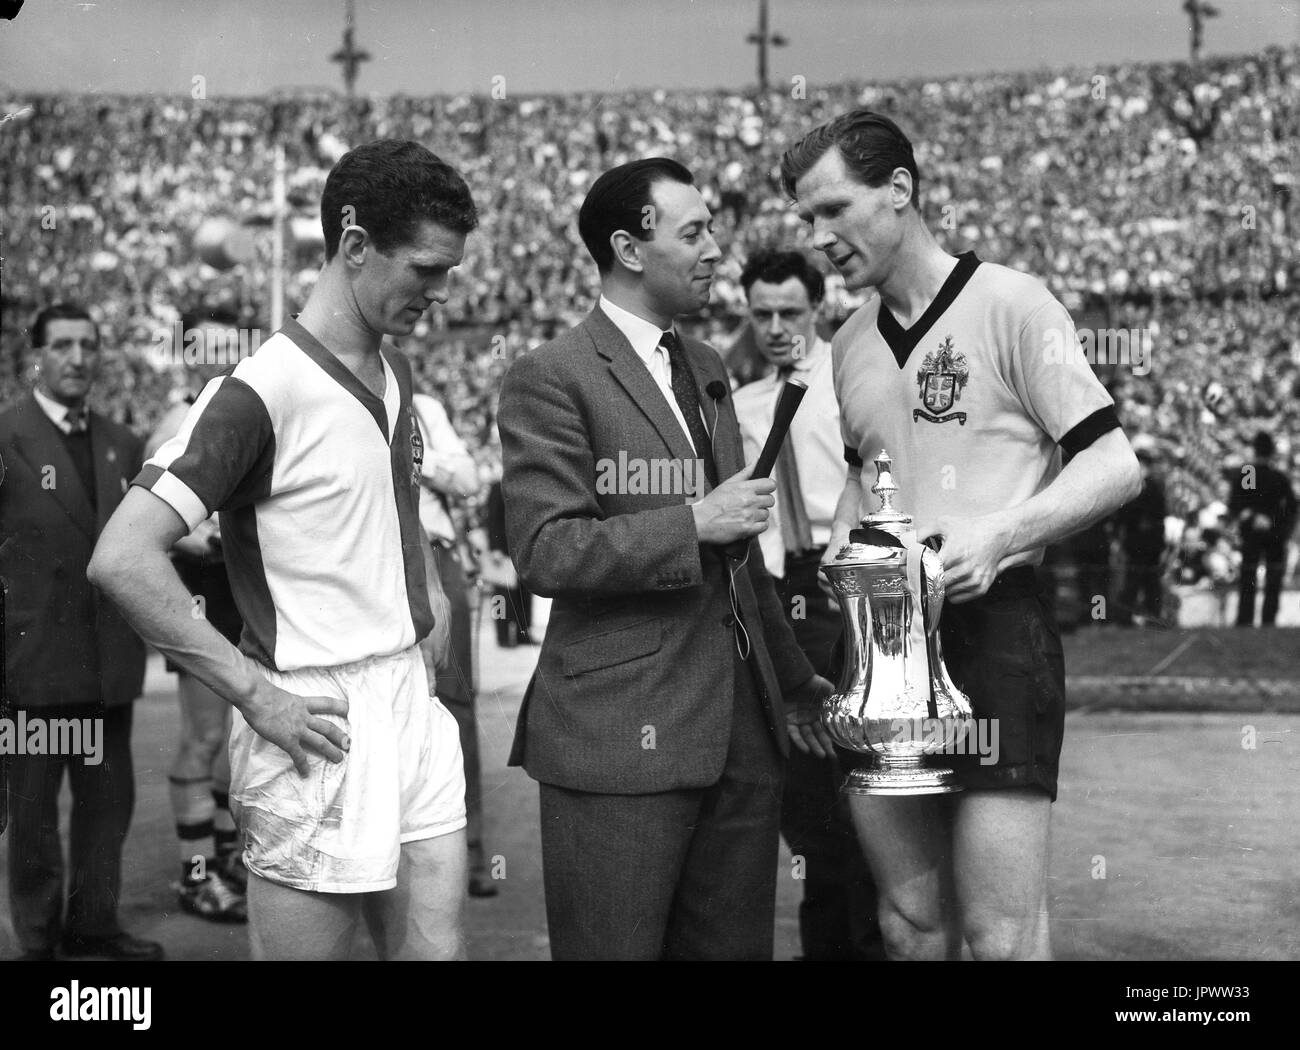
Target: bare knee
197, 754
1007, 938
914, 930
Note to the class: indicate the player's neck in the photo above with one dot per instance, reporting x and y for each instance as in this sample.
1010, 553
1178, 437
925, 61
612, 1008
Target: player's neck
333, 320
919, 271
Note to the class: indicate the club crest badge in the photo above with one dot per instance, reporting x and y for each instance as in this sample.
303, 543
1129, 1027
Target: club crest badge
417, 450
939, 381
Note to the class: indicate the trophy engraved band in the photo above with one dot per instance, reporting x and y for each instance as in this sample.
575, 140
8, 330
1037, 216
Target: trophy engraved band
895, 702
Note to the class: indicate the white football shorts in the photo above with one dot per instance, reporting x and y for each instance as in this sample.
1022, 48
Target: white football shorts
340, 828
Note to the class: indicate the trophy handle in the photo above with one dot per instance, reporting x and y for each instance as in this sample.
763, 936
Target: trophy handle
934, 586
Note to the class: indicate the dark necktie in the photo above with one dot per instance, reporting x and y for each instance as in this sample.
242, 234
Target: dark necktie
796, 532
77, 442
688, 400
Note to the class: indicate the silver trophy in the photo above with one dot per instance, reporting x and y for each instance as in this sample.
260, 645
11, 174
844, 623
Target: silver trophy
895, 701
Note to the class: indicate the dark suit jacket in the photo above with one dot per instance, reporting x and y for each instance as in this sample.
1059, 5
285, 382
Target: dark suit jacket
65, 642
634, 687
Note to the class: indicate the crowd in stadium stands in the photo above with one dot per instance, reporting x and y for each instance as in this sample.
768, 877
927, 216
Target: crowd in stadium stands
1150, 197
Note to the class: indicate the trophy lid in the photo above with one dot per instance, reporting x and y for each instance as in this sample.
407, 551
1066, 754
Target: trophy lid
888, 517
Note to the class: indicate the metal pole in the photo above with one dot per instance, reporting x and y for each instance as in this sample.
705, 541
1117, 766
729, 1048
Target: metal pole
277, 242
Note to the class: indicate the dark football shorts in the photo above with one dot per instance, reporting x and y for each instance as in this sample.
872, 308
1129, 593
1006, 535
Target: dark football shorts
1003, 650
209, 579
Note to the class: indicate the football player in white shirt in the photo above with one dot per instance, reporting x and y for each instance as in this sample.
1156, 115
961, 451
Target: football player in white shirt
347, 772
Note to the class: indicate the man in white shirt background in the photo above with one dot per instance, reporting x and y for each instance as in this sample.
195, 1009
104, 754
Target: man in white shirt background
837, 917
449, 475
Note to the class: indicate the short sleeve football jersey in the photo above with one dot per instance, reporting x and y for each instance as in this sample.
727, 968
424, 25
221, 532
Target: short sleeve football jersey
974, 402
317, 483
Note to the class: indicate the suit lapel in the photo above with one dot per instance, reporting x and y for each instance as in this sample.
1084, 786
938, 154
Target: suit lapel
719, 413
38, 444
111, 481
635, 378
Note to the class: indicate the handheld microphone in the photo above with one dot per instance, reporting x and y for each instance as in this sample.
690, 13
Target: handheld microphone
787, 404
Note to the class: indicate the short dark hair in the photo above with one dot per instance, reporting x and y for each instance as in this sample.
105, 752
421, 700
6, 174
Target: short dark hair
392, 186
872, 146
58, 312
617, 201
776, 266
1263, 445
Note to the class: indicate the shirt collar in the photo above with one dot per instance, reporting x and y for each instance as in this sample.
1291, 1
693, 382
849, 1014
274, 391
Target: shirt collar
55, 410
642, 334
808, 361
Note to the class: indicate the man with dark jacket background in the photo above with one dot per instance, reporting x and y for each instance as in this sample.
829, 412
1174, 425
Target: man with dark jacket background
1263, 505
69, 653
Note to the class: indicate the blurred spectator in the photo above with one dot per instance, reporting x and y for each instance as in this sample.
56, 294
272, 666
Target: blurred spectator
71, 659
448, 475
211, 885
1141, 525
1150, 197
1263, 505
1221, 566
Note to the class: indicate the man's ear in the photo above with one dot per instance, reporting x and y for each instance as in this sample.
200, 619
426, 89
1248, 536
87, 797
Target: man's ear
354, 242
627, 250
901, 188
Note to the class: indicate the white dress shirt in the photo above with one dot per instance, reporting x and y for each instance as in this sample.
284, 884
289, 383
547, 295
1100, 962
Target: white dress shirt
55, 410
644, 336
814, 437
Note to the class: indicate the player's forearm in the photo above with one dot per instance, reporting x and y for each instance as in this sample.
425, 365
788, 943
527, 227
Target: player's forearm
143, 584
456, 478
848, 509
1092, 486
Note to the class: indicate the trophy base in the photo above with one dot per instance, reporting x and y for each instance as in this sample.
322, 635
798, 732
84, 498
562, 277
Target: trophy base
902, 780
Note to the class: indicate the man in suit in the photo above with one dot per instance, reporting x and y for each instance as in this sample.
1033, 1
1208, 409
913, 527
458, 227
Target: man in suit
69, 654
837, 917
657, 719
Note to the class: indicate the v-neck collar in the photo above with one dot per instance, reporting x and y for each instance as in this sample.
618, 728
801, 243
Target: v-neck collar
902, 341
341, 374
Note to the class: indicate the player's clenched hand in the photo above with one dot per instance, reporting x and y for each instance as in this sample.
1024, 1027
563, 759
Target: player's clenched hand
972, 554
296, 725
839, 537
736, 510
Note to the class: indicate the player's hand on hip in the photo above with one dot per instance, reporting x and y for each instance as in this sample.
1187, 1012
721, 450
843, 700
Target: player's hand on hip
736, 510
298, 726
972, 552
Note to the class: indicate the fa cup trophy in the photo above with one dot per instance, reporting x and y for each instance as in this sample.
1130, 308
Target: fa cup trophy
895, 702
